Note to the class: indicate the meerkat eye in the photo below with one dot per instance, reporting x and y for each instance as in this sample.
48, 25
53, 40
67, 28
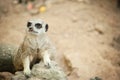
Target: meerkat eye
38, 25
29, 24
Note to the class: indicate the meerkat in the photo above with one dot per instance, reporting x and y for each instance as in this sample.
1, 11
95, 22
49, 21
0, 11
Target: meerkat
36, 45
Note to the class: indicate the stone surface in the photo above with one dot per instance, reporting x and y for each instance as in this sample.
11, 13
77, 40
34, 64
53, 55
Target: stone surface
53, 73
6, 51
40, 72
5, 76
19, 76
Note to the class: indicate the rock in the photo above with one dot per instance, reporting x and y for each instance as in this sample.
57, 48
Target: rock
40, 72
6, 51
19, 76
53, 73
34, 78
5, 76
96, 78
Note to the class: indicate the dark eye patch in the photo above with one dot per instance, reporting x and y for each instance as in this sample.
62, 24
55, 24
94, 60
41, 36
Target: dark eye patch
29, 24
38, 25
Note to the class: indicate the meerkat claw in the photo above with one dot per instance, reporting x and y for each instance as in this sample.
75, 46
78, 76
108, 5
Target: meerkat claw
27, 73
48, 65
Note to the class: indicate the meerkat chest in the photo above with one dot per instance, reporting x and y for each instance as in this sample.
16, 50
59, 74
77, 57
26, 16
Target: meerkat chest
35, 44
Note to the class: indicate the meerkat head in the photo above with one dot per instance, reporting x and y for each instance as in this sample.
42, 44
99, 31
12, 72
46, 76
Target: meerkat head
37, 27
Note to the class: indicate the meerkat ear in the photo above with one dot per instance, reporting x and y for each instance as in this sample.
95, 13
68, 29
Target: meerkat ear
46, 27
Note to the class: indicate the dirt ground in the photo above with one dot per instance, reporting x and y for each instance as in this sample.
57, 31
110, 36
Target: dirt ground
86, 35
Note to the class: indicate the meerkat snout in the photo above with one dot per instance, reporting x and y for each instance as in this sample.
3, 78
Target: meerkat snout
30, 29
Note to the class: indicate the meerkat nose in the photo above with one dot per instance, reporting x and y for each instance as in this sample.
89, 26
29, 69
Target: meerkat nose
30, 29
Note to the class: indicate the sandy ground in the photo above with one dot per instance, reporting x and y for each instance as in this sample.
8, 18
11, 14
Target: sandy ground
86, 36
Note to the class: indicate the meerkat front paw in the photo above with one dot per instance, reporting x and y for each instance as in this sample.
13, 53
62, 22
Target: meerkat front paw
27, 72
47, 62
26, 65
46, 59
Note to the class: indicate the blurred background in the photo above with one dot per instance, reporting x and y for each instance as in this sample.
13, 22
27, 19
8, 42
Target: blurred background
86, 33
